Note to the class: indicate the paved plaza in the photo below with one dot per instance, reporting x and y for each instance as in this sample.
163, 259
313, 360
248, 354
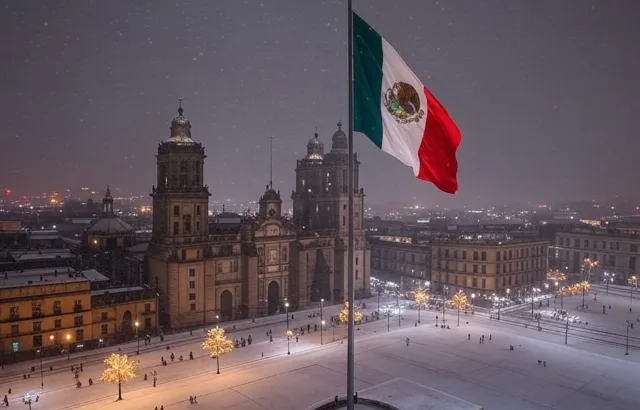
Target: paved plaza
579, 376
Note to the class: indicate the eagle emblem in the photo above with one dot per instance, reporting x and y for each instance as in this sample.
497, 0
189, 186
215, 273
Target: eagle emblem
403, 103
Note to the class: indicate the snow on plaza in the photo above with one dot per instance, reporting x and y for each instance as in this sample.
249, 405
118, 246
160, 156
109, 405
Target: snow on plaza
541, 372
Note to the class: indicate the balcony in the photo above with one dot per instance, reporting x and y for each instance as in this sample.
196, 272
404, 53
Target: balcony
147, 312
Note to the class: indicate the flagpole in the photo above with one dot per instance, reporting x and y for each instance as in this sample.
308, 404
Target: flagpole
350, 250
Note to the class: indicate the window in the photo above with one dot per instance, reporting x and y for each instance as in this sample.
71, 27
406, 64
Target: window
77, 306
36, 309
475, 268
192, 284
176, 210
147, 307
475, 256
58, 324
15, 347
192, 272
498, 256
483, 256
105, 329
77, 321
357, 261
37, 327
192, 296
184, 254
561, 241
455, 254
483, 269
176, 228
193, 307
356, 274
57, 308
15, 330
187, 223
219, 267
234, 265
104, 316
464, 254
285, 255
633, 248
37, 341
272, 256
198, 210
79, 335
586, 243
576, 243
147, 323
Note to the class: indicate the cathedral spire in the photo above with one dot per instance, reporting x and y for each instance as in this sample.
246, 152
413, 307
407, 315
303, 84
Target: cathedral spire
107, 203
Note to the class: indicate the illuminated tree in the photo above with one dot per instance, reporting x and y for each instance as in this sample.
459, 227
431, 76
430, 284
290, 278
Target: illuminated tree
344, 314
633, 281
587, 267
556, 276
460, 301
583, 287
119, 369
421, 298
217, 344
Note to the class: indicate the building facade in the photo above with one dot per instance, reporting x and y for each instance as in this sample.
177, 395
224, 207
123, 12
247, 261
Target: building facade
400, 259
47, 311
249, 265
488, 267
616, 252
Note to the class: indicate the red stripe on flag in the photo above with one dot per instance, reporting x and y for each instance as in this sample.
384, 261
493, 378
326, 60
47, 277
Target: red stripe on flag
437, 152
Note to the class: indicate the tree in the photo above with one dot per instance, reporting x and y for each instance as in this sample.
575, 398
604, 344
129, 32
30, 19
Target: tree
119, 369
587, 267
556, 276
344, 314
460, 301
217, 344
583, 287
421, 298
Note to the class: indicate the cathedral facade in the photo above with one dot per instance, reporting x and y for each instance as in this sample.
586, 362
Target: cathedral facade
237, 266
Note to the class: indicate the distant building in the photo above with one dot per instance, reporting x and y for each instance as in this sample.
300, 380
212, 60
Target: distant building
487, 267
400, 259
250, 265
615, 251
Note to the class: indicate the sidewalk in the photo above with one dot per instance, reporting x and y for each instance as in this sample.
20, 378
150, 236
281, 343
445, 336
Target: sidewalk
61, 363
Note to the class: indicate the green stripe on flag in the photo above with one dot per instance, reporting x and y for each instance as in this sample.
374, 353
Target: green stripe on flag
367, 70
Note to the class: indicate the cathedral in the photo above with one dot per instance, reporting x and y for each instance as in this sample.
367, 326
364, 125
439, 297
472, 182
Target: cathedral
237, 266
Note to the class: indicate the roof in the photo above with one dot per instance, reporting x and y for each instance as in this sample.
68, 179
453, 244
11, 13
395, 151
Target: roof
111, 226
112, 291
36, 277
21, 256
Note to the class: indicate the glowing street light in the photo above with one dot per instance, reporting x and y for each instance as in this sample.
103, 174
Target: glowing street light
289, 336
68, 336
137, 324
322, 320
322, 323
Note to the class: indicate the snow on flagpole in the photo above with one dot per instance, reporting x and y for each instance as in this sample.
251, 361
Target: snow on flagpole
350, 250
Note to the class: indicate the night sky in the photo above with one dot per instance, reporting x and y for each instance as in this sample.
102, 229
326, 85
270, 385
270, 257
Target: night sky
544, 92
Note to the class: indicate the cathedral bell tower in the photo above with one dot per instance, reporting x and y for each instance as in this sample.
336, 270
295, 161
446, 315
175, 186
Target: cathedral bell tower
180, 198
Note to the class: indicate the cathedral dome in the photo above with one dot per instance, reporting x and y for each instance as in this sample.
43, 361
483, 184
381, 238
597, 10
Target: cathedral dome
181, 129
339, 142
315, 148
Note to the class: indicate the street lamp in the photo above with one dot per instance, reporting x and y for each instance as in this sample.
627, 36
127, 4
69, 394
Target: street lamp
629, 324
388, 319
398, 305
379, 289
473, 296
137, 324
546, 289
68, 346
321, 319
217, 320
289, 332
41, 373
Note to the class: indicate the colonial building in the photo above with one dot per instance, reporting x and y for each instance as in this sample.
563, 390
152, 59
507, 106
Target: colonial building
485, 267
50, 310
320, 203
616, 252
400, 259
243, 266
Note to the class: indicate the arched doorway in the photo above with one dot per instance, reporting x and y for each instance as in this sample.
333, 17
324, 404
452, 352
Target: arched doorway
226, 305
127, 322
273, 297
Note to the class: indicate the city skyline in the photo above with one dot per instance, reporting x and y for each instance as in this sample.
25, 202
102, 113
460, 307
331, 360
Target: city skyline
92, 92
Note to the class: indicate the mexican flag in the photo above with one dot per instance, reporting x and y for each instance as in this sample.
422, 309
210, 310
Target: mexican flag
396, 111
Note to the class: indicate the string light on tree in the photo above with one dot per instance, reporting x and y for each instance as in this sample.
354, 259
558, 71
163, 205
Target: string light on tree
344, 314
421, 297
217, 344
459, 301
556, 276
119, 370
